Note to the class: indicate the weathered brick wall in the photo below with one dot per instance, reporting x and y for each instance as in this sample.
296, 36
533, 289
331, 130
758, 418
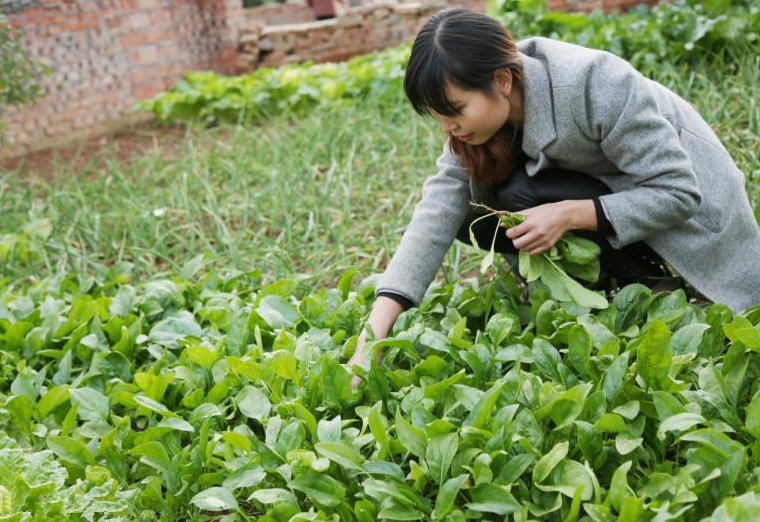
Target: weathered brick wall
108, 54
290, 12
588, 5
362, 30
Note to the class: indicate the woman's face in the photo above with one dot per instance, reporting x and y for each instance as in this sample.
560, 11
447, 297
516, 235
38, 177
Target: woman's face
480, 115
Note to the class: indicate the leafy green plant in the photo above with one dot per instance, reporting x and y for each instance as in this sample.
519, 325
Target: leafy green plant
572, 254
292, 89
212, 394
683, 31
25, 247
33, 487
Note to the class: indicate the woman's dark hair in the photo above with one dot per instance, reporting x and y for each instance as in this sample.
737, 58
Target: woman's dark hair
466, 49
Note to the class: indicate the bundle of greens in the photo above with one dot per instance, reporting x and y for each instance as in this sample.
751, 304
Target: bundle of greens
572, 255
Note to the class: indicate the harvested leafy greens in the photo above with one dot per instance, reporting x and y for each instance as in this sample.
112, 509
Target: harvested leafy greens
572, 254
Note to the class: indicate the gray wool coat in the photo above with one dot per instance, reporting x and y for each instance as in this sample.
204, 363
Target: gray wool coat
673, 184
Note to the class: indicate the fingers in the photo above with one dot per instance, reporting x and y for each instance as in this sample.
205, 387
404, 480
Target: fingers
530, 237
532, 244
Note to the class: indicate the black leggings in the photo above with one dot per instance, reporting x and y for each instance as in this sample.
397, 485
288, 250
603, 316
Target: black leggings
635, 263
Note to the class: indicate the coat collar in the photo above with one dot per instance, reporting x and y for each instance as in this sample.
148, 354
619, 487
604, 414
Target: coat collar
538, 127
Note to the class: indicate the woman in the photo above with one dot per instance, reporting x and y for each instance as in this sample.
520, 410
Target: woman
575, 139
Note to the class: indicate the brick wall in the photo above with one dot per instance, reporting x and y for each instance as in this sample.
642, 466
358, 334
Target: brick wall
107, 54
361, 30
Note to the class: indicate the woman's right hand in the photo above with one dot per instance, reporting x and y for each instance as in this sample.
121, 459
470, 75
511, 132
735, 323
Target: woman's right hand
381, 319
358, 358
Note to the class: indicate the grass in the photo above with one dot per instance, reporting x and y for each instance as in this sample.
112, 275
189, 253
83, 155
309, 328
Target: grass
313, 195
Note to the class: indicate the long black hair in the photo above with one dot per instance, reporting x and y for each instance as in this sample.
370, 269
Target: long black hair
466, 49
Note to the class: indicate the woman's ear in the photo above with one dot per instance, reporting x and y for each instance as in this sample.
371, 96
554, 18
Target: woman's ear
503, 81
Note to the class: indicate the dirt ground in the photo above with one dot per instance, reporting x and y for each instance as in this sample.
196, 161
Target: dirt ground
123, 145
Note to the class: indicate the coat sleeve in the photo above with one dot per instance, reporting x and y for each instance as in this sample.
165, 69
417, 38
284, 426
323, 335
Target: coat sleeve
622, 114
431, 231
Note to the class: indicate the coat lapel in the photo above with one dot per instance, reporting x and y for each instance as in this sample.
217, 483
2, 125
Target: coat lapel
539, 130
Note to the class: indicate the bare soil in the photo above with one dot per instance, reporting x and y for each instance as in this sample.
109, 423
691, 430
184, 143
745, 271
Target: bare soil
123, 146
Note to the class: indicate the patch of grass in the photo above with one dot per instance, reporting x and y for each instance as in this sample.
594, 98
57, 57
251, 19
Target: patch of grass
313, 195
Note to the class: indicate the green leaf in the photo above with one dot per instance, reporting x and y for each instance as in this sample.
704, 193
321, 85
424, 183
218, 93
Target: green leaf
53, 398
654, 355
91, 404
565, 288
610, 422
336, 384
547, 359
378, 429
499, 327
411, 437
679, 422
619, 486
565, 407
71, 451
435, 390
215, 499
666, 405
753, 417
579, 350
577, 249
395, 511
305, 415
480, 416
284, 364
629, 410
340, 453
330, 429
253, 403
274, 496
548, 462
150, 404
447, 495
491, 498
176, 424
614, 377
191, 267
687, 339
277, 312
741, 330
322, 489
153, 454
171, 330
248, 476
439, 455
568, 477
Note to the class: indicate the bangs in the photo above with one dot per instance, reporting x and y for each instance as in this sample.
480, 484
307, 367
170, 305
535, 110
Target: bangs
425, 86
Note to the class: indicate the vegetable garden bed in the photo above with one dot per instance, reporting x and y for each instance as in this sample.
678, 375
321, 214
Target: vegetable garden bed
140, 380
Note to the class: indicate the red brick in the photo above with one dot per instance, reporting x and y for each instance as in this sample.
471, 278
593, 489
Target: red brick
144, 55
144, 92
137, 21
134, 39
160, 34
163, 17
